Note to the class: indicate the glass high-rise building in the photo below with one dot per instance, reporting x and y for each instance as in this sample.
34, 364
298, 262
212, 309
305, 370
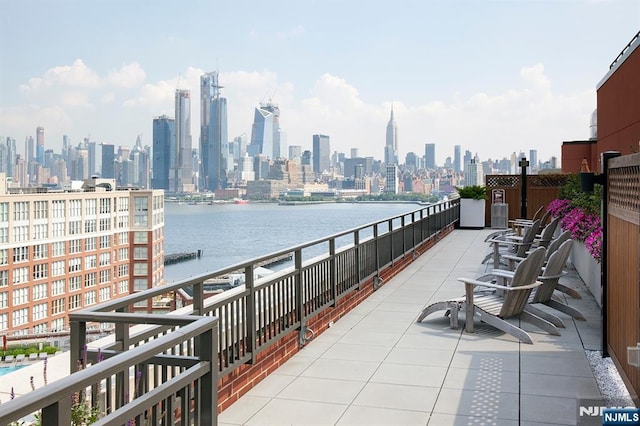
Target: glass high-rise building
40, 144
457, 166
391, 146
321, 153
265, 132
164, 134
430, 155
213, 133
218, 145
107, 160
180, 169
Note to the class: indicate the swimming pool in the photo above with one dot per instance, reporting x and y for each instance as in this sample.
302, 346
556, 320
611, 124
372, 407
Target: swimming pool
10, 369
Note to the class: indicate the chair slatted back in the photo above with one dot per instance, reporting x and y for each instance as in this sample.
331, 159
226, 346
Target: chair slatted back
521, 250
547, 233
526, 273
555, 244
550, 276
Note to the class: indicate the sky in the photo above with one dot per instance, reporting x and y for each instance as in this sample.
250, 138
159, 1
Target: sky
494, 77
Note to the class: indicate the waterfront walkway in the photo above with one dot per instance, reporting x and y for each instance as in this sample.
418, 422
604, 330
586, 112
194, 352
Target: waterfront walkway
376, 366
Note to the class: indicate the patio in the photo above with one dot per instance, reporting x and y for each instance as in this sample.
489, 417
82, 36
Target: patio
377, 366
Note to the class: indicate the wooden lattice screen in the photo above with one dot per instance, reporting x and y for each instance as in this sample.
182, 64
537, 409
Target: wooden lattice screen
623, 265
541, 190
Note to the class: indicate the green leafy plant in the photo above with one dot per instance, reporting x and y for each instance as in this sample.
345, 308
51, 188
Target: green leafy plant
476, 192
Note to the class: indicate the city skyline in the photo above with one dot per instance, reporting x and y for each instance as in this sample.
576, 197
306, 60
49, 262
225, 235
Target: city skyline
478, 76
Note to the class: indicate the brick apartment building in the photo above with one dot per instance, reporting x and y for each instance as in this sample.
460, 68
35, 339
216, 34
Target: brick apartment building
64, 250
617, 115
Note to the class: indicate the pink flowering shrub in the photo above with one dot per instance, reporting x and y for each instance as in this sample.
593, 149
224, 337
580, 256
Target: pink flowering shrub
559, 207
584, 227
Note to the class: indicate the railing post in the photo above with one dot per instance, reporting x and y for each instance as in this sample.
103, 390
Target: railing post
391, 245
122, 378
208, 392
198, 298
251, 312
356, 244
78, 341
403, 227
376, 239
57, 414
297, 259
333, 271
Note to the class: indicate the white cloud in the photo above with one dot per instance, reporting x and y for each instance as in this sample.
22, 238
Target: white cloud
294, 32
128, 76
529, 116
108, 98
76, 75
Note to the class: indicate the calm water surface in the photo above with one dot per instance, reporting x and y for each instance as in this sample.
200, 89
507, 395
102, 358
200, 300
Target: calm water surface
232, 233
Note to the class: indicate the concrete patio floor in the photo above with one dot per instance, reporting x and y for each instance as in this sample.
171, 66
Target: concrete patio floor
377, 366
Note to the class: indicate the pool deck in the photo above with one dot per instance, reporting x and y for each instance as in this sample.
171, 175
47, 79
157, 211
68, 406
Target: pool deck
377, 366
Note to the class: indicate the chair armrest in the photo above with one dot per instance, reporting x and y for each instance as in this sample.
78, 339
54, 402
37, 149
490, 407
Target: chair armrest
513, 257
503, 273
551, 277
474, 282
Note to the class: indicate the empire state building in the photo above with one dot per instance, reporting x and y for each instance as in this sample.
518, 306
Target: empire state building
391, 146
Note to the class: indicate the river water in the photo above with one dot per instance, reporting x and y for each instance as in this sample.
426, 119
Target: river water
232, 233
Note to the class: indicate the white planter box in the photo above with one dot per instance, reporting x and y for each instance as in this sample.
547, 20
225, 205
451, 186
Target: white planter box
472, 213
588, 269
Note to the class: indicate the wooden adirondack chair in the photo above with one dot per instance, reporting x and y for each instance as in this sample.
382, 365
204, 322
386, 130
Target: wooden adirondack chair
512, 245
546, 236
494, 309
553, 247
549, 278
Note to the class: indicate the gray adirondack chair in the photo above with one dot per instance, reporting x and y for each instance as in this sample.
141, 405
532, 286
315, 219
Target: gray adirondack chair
512, 245
549, 278
495, 309
553, 247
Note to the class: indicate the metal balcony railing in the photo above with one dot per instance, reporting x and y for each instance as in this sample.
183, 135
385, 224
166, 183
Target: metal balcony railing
169, 359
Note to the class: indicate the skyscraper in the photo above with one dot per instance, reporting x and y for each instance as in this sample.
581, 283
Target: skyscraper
391, 146
214, 142
40, 144
164, 135
180, 168
456, 159
107, 160
533, 160
391, 183
430, 155
213, 132
265, 132
29, 149
467, 159
321, 153
473, 173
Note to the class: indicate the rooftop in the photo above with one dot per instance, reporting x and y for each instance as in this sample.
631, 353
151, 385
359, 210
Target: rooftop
376, 365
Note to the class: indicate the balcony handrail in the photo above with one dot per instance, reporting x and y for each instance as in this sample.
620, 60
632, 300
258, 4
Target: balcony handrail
123, 302
245, 322
55, 392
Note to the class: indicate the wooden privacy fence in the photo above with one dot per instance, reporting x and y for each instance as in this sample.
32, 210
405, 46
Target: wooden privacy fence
623, 265
541, 190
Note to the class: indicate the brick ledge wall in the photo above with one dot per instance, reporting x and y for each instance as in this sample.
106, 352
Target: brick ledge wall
240, 381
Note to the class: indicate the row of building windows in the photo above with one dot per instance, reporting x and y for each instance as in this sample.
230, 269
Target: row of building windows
59, 305
41, 251
41, 207
43, 231
41, 290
